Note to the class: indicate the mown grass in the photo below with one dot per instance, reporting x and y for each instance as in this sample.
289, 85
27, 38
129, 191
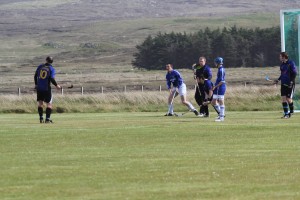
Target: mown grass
238, 98
251, 155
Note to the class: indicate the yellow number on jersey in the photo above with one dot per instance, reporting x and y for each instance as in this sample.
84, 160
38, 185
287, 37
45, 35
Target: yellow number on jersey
43, 74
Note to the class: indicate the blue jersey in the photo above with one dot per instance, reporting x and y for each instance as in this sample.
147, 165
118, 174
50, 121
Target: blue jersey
43, 75
288, 72
203, 71
174, 78
208, 85
220, 78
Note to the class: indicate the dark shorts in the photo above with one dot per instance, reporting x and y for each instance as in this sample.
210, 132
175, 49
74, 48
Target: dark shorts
287, 91
44, 96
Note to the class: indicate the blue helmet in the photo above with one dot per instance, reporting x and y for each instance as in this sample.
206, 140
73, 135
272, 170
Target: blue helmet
219, 60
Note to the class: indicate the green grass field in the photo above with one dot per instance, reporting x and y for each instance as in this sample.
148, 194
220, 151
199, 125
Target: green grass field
251, 155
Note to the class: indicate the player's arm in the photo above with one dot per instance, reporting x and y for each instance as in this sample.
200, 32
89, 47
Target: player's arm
35, 80
276, 81
52, 79
168, 81
219, 84
221, 77
208, 73
293, 73
208, 96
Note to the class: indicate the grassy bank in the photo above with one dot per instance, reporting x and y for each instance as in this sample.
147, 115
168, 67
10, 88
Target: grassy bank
238, 98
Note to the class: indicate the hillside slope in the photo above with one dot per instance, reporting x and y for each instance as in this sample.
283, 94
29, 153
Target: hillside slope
92, 30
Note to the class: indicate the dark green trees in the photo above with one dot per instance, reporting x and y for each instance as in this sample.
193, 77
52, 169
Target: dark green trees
240, 47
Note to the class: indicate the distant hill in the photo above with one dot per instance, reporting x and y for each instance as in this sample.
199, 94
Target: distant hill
81, 29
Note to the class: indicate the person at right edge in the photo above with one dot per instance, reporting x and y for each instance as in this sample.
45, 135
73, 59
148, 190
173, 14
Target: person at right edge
201, 69
287, 79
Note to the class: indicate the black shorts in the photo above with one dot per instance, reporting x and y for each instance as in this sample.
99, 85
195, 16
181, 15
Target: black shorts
44, 96
287, 91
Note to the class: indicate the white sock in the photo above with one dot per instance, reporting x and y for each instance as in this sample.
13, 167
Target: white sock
170, 110
222, 110
217, 107
191, 107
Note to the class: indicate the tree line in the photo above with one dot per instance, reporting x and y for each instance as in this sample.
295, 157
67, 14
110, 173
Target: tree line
240, 47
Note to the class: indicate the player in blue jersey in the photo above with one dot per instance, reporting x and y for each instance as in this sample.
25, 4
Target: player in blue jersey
43, 77
287, 79
176, 85
201, 69
219, 90
208, 89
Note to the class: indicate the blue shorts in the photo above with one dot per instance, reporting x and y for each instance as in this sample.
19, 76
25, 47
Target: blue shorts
220, 90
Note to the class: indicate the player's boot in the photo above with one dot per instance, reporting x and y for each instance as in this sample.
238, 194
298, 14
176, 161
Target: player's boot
220, 119
48, 121
286, 116
201, 115
196, 112
41, 120
169, 114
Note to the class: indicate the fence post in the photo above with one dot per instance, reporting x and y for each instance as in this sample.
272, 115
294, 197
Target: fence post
125, 88
101, 89
159, 88
142, 88
81, 90
19, 91
62, 91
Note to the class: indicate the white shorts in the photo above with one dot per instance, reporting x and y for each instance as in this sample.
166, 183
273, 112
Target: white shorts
181, 90
215, 96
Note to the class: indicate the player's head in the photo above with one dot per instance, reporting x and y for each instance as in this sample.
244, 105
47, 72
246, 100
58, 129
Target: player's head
284, 56
201, 79
169, 67
202, 61
49, 59
218, 61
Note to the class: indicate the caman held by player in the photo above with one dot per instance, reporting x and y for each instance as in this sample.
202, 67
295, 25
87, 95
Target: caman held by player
175, 84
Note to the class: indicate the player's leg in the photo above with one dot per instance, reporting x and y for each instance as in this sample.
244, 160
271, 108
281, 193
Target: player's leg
218, 101
290, 99
40, 111
222, 107
215, 102
198, 97
182, 93
291, 105
206, 111
48, 101
40, 106
285, 104
285, 107
216, 106
171, 97
203, 109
